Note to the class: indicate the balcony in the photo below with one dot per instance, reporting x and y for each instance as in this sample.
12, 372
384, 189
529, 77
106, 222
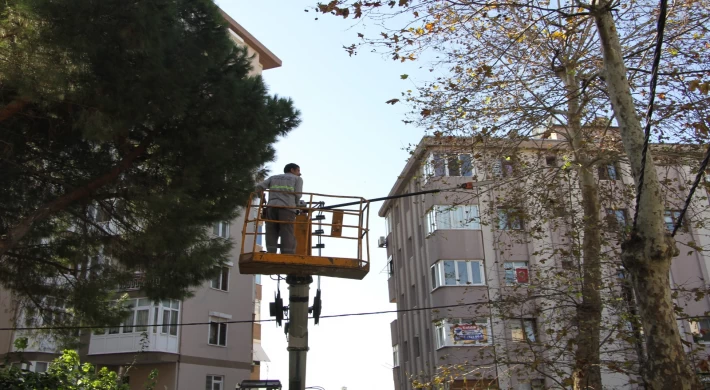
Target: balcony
133, 342
136, 283
150, 327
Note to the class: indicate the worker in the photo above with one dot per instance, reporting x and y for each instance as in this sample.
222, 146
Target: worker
284, 196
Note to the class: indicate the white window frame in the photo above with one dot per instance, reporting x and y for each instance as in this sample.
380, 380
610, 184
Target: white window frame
445, 217
214, 379
503, 218
514, 266
526, 330
673, 215
35, 363
220, 282
130, 323
620, 217
168, 324
438, 277
221, 229
222, 329
445, 338
390, 267
430, 170
608, 177
696, 327
395, 355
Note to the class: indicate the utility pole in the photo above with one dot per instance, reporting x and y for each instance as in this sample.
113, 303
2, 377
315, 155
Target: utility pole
297, 329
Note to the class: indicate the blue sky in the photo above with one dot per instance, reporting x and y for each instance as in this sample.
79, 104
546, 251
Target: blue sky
349, 143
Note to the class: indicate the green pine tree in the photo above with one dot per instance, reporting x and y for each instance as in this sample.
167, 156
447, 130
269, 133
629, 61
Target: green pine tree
143, 113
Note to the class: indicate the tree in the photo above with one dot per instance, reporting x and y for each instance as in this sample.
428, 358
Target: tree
511, 64
128, 129
65, 372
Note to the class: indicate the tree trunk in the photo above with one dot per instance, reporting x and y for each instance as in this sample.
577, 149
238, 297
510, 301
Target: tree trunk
648, 253
587, 370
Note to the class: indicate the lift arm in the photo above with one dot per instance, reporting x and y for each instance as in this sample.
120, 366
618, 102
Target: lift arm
464, 186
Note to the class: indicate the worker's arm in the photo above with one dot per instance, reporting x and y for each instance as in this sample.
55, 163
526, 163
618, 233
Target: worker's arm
260, 187
298, 188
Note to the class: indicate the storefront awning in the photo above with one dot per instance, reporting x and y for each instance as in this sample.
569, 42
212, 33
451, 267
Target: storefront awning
258, 354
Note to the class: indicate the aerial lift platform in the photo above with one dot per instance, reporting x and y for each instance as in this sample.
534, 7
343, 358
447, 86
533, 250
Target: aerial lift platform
317, 222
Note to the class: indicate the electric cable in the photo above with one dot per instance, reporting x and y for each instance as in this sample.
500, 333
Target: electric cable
245, 321
698, 177
649, 112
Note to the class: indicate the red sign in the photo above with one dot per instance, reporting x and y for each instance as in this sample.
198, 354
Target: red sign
521, 275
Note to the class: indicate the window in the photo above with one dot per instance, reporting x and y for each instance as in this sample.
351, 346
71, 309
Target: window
701, 329
428, 339
257, 279
671, 218
510, 219
136, 321
417, 349
221, 229
170, 316
221, 281
54, 311
100, 212
453, 217
413, 295
390, 267
457, 273
41, 366
568, 263
462, 332
616, 219
440, 336
609, 172
523, 329
451, 164
405, 351
214, 382
395, 355
217, 333
516, 272
503, 167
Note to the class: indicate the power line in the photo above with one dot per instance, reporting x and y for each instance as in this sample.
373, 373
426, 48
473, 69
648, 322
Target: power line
698, 177
649, 112
244, 321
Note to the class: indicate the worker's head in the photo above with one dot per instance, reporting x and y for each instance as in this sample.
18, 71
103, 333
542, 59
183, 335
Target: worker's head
292, 168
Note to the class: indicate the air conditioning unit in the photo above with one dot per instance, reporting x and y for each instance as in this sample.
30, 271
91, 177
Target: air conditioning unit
382, 242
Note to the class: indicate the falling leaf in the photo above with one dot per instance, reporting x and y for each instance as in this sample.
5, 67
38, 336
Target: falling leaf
360, 35
404, 76
392, 101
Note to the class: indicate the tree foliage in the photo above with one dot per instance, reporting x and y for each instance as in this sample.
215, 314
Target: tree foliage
128, 128
515, 71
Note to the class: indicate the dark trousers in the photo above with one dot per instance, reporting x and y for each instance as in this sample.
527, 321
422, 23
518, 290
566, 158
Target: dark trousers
283, 229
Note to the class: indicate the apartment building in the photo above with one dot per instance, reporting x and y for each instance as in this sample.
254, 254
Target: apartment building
457, 249
217, 356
